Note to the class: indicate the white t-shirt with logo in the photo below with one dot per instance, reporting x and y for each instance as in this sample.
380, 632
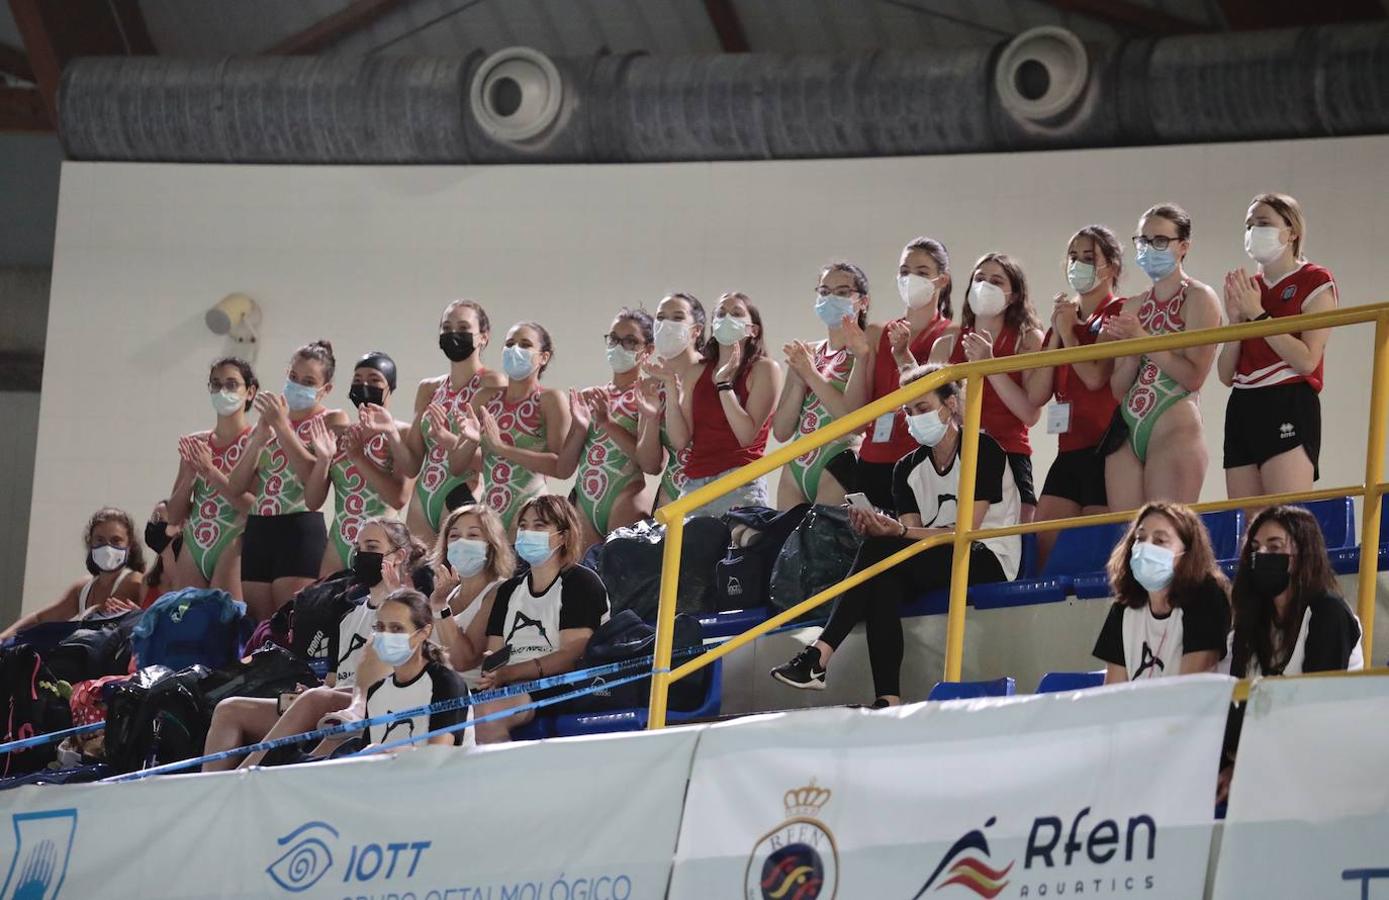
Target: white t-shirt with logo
530, 623
354, 634
1149, 646
434, 683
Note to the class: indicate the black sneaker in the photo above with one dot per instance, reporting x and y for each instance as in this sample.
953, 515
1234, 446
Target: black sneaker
804, 671
880, 703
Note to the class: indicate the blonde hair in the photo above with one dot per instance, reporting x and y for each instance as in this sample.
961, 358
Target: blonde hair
1291, 212
501, 559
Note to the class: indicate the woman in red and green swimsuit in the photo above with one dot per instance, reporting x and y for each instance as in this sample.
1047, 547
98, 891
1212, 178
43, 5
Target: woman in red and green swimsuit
202, 499
441, 404
663, 431
361, 462
282, 547
520, 431
822, 387
602, 443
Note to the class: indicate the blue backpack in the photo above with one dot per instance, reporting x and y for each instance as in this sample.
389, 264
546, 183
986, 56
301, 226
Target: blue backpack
188, 627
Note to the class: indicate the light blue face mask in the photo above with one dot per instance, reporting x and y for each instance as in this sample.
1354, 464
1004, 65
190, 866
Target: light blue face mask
534, 546
392, 649
1158, 264
833, 310
467, 556
1152, 566
518, 363
300, 397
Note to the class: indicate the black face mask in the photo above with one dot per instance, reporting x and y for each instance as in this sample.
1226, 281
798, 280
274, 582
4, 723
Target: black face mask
457, 345
1268, 574
366, 567
366, 393
156, 538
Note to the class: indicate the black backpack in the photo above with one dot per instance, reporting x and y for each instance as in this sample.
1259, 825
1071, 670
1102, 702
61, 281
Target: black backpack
100, 647
630, 566
624, 637
158, 716
318, 611
268, 673
34, 704
743, 577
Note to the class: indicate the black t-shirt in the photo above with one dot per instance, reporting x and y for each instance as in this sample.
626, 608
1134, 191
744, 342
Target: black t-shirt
1151, 647
1325, 642
530, 623
434, 683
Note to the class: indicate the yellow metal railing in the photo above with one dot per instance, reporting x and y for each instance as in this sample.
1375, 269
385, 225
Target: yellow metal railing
973, 373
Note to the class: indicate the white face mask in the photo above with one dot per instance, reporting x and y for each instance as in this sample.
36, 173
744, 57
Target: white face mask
927, 428
987, 298
729, 330
108, 558
915, 290
621, 359
671, 338
227, 402
1263, 244
1081, 276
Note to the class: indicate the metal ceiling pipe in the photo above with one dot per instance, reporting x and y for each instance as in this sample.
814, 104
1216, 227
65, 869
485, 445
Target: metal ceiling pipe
1040, 90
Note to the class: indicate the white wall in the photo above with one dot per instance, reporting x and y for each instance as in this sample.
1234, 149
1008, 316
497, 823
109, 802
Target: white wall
368, 256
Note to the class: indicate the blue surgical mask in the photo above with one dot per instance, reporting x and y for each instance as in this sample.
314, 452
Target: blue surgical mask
1151, 565
1158, 264
1081, 276
534, 546
391, 649
300, 397
467, 556
729, 330
833, 310
926, 428
518, 363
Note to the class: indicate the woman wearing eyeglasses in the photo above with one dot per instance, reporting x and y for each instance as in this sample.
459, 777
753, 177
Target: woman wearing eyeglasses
202, 498
1154, 447
602, 443
824, 383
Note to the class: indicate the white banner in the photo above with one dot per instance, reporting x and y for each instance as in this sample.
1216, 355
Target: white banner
581, 819
1105, 793
1309, 805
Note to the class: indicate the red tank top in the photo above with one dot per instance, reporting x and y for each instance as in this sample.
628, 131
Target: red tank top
714, 448
886, 379
998, 421
1091, 411
1259, 364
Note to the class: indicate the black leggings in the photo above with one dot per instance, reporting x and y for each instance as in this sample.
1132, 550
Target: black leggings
877, 602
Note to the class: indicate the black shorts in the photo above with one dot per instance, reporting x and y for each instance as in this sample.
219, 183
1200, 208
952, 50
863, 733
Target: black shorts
1021, 464
1078, 476
1261, 423
844, 468
874, 480
288, 546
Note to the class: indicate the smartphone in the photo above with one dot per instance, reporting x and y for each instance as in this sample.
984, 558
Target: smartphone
858, 501
496, 659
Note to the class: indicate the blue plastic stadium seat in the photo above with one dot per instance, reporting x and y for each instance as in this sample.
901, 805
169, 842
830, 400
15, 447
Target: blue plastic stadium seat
970, 690
1346, 561
1091, 586
1055, 682
727, 624
572, 724
542, 726
1029, 588
1226, 528
1337, 520
1081, 551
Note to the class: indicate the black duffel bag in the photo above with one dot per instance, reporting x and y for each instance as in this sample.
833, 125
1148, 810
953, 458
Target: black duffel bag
624, 637
630, 566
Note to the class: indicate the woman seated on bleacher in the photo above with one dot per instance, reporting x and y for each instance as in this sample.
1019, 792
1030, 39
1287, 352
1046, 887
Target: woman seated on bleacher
419, 675
541, 621
471, 561
1288, 617
1170, 614
925, 487
115, 560
385, 556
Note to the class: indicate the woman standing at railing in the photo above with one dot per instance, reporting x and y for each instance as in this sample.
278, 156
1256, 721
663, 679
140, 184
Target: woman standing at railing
730, 405
1273, 419
825, 381
885, 351
1154, 447
441, 403
610, 491
925, 488
663, 431
999, 320
1084, 403
1170, 614
520, 431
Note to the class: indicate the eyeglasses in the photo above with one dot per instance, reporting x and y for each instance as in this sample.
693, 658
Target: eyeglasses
843, 293
634, 344
1157, 242
231, 384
